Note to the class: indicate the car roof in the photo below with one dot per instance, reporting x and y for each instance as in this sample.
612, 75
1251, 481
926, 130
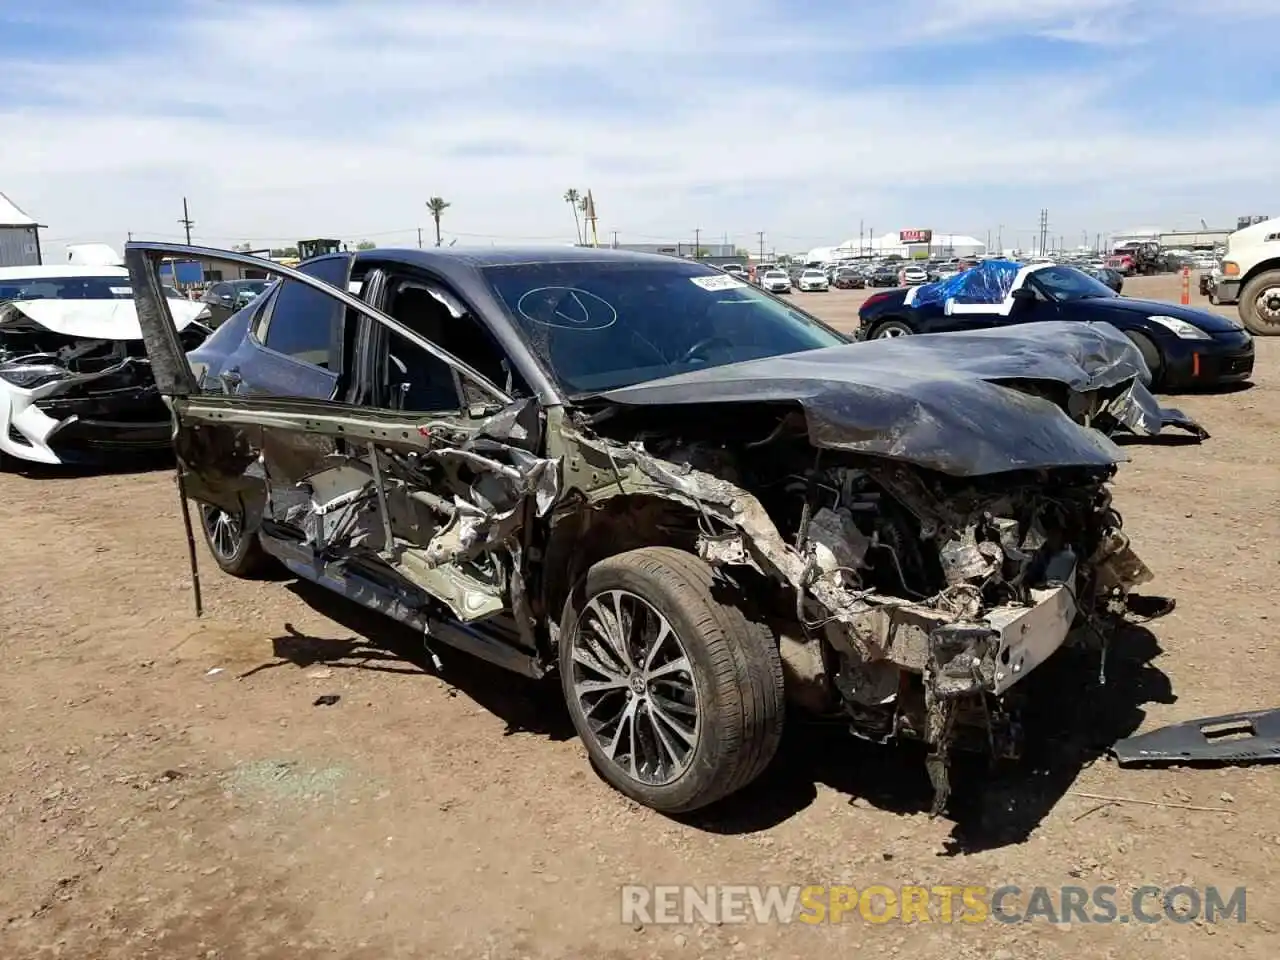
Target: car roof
52, 271
454, 263
477, 257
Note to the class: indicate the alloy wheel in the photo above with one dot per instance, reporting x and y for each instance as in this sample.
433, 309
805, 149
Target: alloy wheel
223, 530
886, 332
634, 684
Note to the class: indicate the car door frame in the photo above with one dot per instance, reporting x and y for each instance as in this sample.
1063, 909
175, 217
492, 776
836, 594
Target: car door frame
227, 449
468, 303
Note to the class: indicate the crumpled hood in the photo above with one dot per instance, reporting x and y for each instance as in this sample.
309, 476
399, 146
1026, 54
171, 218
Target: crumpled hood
1206, 320
938, 400
92, 319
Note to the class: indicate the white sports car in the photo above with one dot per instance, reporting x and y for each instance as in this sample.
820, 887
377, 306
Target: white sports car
75, 381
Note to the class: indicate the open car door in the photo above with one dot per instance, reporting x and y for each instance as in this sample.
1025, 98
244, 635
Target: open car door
422, 516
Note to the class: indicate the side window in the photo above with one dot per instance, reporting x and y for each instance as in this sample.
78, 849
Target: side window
302, 322
419, 381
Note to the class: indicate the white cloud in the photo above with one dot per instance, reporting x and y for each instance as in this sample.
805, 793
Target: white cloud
339, 119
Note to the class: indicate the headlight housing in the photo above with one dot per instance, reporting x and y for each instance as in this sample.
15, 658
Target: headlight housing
1180, 328
28, 376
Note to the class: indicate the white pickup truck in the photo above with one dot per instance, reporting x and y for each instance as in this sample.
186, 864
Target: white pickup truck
1249, 275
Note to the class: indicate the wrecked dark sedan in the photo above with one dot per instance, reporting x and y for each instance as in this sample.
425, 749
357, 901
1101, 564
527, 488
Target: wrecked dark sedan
1181, 346
692, 501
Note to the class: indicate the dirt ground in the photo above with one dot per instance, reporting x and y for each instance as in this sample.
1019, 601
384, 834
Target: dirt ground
169, 790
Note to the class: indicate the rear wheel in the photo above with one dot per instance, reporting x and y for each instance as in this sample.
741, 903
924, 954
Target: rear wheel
676, 693
236, 552
1260, 304
891, 328
1151, 354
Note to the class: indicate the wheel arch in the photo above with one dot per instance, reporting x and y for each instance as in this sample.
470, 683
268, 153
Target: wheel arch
578, 540
1258, 269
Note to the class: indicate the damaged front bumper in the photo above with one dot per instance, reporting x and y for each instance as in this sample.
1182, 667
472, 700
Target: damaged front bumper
76, 420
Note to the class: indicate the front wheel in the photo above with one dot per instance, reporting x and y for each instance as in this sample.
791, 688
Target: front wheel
1151, 354
676, 693
892, 328
236, 552
1260, 304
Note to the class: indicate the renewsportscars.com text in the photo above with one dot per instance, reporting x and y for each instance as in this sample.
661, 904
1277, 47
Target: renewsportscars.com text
815, 904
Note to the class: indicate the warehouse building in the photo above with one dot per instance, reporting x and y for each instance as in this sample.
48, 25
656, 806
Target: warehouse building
19, 236
908, 244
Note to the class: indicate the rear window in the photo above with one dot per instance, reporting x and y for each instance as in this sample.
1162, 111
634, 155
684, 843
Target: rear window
66, 288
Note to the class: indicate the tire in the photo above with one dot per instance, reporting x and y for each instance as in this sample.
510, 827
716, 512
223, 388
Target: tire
1151, 354
734, 676
1264, 321
891, 328
234, 552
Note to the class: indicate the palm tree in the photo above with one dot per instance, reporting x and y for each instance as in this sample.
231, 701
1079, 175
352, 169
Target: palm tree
571, 197
437, 206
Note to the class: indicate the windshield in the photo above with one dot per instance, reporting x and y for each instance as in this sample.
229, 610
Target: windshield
1063, 284
66, 288
250, 286
602, 325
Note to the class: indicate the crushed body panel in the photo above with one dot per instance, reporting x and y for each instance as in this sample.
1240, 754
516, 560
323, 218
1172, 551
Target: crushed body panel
942, 401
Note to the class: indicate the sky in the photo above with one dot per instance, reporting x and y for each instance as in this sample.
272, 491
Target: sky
287, 119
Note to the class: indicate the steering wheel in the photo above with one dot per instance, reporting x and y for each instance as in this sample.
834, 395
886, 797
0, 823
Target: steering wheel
701, 345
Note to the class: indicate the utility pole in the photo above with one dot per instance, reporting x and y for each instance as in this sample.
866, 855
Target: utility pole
1044, 230
760, 234
615, 239
697, 243
131, 236
419, 238
1000, 238
186, 220
859, 238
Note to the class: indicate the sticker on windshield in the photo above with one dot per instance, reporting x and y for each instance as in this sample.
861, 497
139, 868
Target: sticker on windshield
121, 291
725, 282
567, 308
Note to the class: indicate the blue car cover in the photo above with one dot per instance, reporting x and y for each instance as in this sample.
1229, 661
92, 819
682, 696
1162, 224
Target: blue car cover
989, 282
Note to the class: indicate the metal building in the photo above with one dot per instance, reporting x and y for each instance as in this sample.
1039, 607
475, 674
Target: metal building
19, 236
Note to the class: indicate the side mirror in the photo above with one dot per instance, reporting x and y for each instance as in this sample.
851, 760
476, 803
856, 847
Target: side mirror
1023, 297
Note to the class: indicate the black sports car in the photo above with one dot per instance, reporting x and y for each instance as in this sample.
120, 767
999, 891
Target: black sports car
1182, 346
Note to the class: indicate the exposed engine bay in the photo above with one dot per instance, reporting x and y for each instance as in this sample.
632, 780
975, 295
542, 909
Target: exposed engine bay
67, 390
918, 600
